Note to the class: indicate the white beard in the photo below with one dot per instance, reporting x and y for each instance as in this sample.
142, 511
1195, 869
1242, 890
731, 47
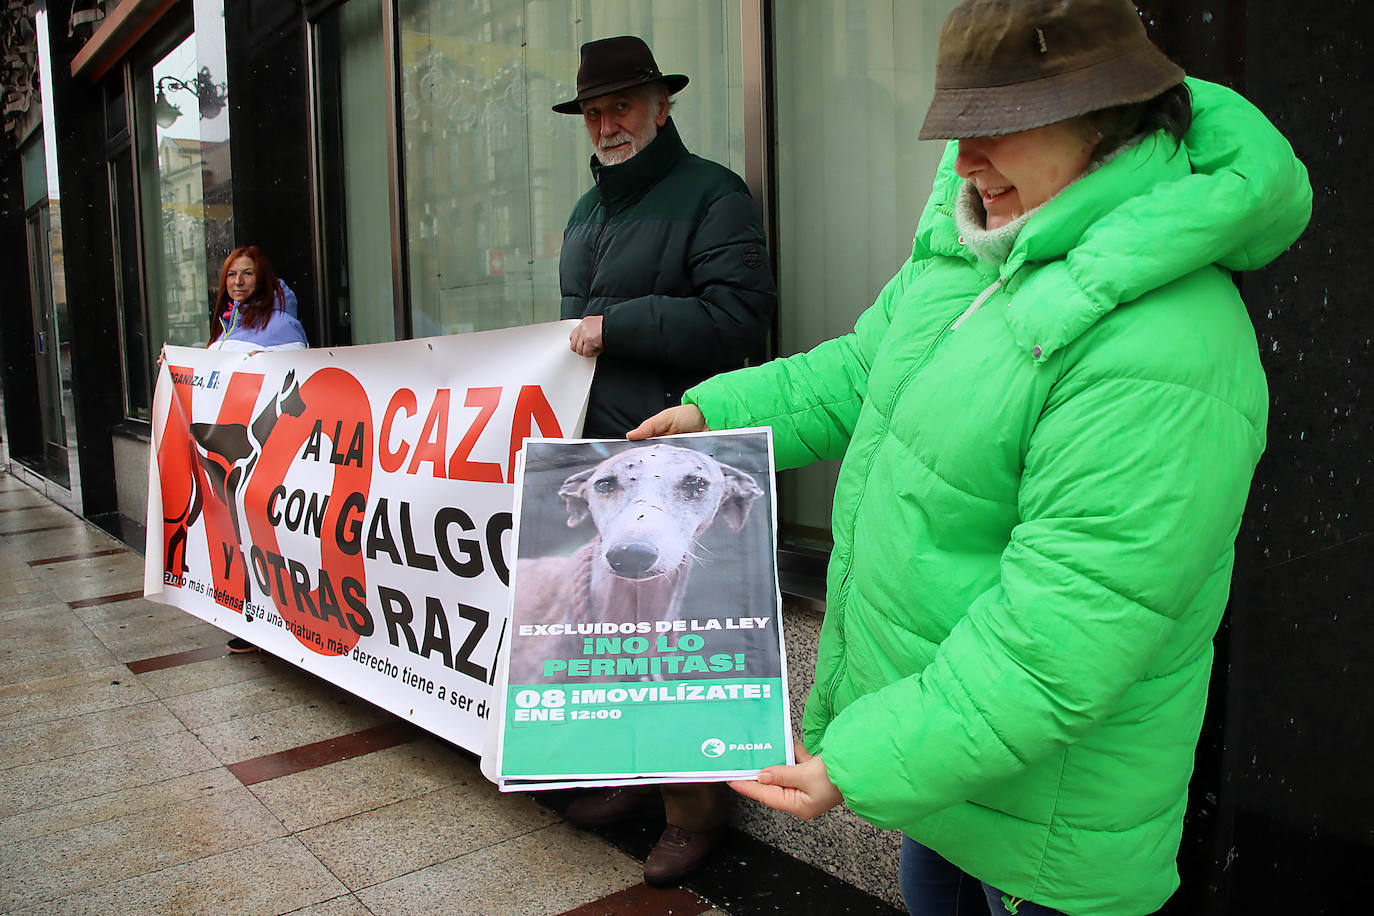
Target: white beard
623, 146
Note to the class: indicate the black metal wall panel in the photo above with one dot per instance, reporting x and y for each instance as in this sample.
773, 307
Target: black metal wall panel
22, 425
1282, 819
1300, 729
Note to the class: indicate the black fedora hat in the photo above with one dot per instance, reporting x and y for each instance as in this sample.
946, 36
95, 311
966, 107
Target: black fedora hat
612, 64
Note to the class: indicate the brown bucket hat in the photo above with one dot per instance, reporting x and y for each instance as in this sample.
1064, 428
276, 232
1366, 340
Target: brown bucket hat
1009, 65
612, 64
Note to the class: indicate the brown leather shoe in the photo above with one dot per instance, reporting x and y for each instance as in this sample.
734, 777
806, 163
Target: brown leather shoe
598, 807
678, 853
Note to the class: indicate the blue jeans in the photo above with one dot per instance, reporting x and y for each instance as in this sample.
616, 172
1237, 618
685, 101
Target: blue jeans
932, 886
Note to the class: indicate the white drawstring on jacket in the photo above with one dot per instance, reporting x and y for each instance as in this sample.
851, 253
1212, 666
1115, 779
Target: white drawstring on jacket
982, 297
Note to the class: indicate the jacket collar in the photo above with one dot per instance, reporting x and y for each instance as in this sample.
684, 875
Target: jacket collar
620, 185
1234, 196
1102, 241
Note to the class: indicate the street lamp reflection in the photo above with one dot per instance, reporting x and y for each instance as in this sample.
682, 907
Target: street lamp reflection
212, 97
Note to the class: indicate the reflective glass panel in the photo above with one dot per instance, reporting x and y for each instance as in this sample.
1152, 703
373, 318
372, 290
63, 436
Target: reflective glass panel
355, 218
48, 273
133, 332
174, 142
853, 79
491, 172
48, 347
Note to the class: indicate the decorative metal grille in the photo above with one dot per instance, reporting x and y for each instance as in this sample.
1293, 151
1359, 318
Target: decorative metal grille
18, 69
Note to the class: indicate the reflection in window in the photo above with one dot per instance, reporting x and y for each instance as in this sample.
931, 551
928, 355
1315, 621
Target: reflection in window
175, 143
47, 299
163, 225
851, 182
128, 288
355, 219
492, 172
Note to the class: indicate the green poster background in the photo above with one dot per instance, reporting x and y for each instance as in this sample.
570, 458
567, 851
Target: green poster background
567, 736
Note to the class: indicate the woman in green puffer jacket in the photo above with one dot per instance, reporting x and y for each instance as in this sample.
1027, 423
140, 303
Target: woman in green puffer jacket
1048, 422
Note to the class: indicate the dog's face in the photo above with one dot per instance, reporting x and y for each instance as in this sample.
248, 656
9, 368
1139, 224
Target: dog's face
650, 504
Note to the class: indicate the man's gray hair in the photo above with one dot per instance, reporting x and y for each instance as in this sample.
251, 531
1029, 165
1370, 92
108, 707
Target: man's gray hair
651, 90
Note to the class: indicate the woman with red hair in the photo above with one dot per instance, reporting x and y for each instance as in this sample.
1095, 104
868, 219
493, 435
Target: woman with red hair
254, 309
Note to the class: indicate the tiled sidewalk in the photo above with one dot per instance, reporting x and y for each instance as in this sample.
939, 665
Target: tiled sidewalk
143, 770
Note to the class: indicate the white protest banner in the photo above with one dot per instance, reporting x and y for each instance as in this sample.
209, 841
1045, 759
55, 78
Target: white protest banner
645, 638
349, 509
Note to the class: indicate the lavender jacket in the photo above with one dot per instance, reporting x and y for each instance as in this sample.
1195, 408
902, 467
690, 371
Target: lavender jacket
283, 330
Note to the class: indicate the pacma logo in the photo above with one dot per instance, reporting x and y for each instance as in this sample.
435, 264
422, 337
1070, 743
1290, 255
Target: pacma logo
714, 747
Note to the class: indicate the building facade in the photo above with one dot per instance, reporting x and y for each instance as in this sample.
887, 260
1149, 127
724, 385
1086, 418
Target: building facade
399, 162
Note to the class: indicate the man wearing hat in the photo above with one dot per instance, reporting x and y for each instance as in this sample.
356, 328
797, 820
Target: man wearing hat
664, 261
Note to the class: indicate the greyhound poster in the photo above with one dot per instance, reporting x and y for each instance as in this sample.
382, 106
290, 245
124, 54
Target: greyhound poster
645, 623
349, 509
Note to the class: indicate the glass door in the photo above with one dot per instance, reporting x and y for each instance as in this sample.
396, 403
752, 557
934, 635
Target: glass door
47, 341
354, 215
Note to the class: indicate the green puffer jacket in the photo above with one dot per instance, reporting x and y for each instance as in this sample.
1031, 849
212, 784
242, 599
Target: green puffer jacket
1035, 517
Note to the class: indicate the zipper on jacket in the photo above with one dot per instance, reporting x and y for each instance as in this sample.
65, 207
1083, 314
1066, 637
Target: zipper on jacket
920, 361
226, 330
601, 229
605, 218
977, 303
596, 245
896, 392
1001, 282
842, 594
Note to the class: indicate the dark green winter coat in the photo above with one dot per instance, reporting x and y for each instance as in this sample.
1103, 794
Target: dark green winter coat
1035, 517
669, 249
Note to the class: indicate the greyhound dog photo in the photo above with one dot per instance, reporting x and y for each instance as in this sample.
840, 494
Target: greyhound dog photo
649, 506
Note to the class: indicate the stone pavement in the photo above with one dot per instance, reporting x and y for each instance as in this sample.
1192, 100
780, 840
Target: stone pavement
144, 770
